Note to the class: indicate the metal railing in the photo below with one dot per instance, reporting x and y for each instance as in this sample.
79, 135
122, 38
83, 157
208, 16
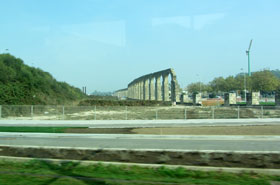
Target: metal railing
49, 112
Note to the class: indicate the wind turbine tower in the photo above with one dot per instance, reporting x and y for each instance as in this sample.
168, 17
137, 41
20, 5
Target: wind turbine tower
248, 53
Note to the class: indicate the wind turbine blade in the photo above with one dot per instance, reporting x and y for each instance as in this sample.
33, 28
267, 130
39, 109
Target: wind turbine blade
250, 45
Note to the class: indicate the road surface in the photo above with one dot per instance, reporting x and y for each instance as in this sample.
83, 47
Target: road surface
140, 123
123, 141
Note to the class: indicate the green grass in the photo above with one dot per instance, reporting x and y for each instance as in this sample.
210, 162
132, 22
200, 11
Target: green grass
241, 103
267, 103
261, 103
41, 172
34, 129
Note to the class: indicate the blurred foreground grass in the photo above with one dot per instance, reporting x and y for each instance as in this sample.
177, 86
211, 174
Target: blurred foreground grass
43, 172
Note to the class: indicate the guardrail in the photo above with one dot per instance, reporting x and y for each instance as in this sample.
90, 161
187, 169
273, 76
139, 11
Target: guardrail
50, 112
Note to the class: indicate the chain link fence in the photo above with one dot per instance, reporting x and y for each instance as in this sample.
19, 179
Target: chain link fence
49, 112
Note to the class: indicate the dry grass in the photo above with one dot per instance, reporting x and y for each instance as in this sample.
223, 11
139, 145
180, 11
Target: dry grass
212, 130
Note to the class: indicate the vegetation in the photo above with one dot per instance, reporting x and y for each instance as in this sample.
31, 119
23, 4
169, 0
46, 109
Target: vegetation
46, 172
102, 97
22, 84
264, 81
34, 129
100, 93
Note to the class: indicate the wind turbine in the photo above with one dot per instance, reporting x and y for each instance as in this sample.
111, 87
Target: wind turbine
248, 53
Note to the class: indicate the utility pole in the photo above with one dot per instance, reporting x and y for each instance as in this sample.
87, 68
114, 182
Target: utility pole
248, 54
245, 96
199, 83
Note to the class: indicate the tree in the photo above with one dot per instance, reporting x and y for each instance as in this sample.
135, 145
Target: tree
231, 84
218, 84
197, 87
264, 81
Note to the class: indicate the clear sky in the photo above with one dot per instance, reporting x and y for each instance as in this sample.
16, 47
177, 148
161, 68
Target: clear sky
105, 44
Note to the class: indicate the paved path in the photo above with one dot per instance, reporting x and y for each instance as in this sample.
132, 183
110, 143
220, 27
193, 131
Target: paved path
113, 141
140, 123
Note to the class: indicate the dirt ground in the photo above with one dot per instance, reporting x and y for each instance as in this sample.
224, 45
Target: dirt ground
100, 130
204, 130
190, 158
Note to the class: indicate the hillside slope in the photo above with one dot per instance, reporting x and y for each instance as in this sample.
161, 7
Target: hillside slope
22, 84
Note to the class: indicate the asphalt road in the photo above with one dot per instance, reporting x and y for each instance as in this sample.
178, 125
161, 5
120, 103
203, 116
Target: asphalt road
140, 123
122, 141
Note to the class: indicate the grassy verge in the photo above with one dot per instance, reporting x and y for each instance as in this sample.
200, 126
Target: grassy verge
267, 103
261, 103
34, 129
42, 172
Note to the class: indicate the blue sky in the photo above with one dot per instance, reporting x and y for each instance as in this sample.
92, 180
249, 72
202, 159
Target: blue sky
105, 44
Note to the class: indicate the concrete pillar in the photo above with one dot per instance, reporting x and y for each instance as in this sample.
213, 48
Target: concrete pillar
183, 98
141, 90
132, 92
175, 88
128, 91
165, 89
277, 97
253, 98
230, 99
135, 92
152, 89
196, 98
173, 91
146, 89
138, 91
158, 89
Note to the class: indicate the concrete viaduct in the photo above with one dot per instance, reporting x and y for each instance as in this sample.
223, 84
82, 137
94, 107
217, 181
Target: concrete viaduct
155, 86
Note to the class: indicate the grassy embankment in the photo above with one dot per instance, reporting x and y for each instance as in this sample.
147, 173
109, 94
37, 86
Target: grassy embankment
42, 172
21, 84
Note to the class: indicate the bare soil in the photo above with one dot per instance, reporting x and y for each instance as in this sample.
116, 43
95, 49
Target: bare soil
193, 158
204, 130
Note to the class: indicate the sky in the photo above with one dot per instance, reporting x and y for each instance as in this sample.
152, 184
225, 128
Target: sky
105, 44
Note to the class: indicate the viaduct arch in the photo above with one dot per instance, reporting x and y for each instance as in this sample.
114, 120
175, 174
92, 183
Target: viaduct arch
155, 86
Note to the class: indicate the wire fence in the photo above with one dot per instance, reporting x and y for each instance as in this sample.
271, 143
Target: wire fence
49, 112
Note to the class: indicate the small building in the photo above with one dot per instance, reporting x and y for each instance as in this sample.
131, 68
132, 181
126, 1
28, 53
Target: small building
230, 99
253, 98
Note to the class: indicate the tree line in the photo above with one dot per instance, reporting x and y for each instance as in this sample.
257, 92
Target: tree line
263, 81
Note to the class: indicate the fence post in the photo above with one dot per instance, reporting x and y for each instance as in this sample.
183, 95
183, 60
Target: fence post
125, 112
95, 112
156, 114
213, 112
0, 111
262, 111
63, 112
238, 112
31, 111
185, 113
